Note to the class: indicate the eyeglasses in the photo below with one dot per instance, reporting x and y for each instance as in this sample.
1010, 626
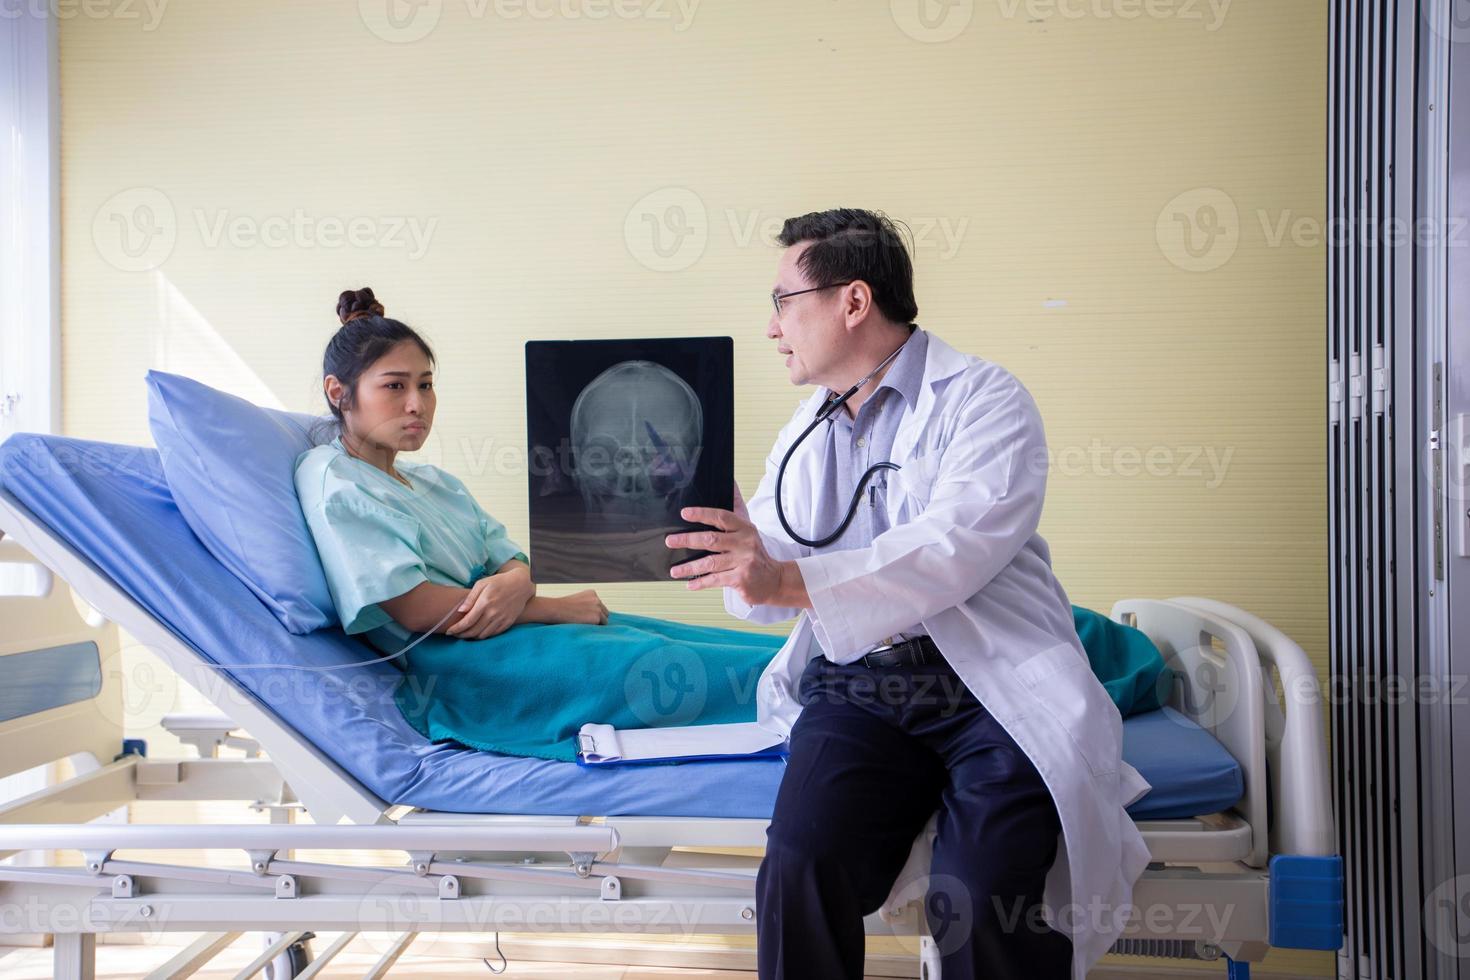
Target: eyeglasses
776, 297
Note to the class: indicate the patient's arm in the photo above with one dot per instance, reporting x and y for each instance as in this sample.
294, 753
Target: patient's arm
421, 607
508, 591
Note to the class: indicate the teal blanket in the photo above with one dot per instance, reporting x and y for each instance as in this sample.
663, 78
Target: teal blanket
1126, 661
527, 691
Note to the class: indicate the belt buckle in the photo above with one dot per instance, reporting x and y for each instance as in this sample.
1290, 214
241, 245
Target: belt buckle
885, 648
903, 652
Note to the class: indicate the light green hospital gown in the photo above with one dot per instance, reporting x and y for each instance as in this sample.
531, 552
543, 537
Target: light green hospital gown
378, 538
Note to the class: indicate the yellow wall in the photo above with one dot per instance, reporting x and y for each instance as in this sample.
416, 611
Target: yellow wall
1048, 160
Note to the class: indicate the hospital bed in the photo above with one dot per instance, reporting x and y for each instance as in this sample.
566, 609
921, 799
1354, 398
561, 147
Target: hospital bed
1239, 821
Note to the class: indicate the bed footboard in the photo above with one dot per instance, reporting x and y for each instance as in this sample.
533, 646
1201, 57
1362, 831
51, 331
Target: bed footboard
1296, 737
1217, 685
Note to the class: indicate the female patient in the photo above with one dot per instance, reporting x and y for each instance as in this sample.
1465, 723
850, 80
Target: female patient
404, 545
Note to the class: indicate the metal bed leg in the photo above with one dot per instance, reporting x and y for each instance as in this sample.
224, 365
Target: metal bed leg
74, 956
1236, 970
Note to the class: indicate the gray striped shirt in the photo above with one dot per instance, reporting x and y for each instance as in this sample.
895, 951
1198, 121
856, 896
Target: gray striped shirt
851, 445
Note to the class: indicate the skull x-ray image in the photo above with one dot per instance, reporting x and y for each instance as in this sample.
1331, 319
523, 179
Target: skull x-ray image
637, 433
624, 434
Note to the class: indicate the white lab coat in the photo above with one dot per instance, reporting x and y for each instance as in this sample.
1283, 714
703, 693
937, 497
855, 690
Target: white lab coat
963, 558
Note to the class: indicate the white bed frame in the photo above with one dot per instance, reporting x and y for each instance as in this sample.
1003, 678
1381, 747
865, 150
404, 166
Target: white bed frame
1205, 896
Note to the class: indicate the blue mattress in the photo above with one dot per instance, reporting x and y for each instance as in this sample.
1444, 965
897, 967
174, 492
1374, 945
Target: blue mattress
111, 503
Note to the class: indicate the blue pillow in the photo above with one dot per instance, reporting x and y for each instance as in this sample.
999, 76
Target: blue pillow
230, 466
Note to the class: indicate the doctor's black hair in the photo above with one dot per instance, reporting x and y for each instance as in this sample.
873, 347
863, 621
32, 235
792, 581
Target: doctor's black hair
851, 243
366, 335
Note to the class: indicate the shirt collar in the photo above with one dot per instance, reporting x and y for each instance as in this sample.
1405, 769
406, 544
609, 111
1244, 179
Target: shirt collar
906, 373
411, 470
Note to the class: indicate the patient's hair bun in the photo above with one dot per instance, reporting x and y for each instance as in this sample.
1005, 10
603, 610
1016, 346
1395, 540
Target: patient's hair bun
355, 303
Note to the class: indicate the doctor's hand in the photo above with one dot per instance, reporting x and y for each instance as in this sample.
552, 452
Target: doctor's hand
493, 605
740, 560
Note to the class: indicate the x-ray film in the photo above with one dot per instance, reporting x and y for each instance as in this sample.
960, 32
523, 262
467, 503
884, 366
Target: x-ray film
622, 435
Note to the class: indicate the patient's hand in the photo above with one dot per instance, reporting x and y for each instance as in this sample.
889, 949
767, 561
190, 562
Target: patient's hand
585, 608
494, 605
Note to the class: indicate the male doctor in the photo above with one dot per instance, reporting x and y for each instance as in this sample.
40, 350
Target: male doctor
934, 669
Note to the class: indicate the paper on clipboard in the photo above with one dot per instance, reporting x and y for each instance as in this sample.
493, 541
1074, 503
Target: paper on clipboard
601, 745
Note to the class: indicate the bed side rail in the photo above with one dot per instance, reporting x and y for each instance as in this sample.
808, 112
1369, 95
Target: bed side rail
1217, 685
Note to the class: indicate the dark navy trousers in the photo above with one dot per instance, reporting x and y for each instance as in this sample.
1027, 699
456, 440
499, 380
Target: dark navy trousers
873, 753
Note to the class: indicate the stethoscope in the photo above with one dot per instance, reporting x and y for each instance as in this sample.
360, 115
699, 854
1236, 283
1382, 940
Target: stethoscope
824, 414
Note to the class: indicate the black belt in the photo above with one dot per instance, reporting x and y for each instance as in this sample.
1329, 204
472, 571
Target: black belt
918, 650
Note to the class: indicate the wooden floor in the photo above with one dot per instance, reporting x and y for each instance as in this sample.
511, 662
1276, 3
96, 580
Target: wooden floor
130, 961
137, 961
